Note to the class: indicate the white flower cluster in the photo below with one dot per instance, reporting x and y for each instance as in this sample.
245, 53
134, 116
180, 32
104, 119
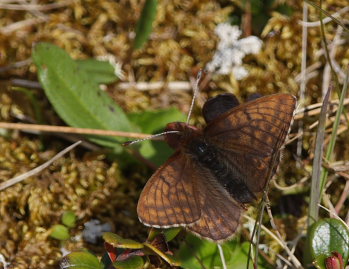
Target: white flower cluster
231, 51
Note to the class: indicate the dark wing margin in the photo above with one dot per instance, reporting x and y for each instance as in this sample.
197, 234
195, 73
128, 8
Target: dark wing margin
169, 199
250, 136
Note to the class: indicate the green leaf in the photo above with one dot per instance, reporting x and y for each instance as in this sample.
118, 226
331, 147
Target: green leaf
144, 24
171, 233
134, 262
101, 72
69, 219
76, 98
119, 242
195, 253
81, 260
327, 236
60, 232
169, 259
152, 122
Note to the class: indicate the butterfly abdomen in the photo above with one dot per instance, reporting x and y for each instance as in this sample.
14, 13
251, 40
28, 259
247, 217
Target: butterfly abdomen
229, 178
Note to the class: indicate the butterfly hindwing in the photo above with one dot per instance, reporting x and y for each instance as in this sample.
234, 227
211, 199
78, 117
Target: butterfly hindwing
220, 213
169, 197
250, 136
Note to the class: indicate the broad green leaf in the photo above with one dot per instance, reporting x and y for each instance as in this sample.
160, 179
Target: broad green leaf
327, 236
81, 260
119, 242
134, 262
144, 24
60, 232
195, 252
101, 72
69, 219
152, 122
76, 98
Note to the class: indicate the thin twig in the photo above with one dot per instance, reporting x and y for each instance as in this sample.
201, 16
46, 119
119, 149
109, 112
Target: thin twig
25, 83
36, 170
293, 258
221, 254
325, 20
34, 6
147, 86
311, 69
334, 214
343, 197
296, 185
15, 65
287, 262
327, 71
196, 90
315, 109
277, 238
71, 130
303, 78
8, 29
321, 10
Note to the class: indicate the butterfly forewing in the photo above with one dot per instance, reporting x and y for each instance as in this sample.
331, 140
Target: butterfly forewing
169, 198
250, 136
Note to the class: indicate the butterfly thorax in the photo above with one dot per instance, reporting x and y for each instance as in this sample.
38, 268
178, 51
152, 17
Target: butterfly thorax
185, 133
191, 141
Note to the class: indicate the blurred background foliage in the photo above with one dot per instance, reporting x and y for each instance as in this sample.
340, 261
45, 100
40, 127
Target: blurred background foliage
182, 41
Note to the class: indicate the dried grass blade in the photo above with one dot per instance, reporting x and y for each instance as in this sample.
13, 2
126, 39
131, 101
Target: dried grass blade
317, 162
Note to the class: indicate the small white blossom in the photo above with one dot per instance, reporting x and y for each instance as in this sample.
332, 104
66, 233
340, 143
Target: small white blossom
231, 51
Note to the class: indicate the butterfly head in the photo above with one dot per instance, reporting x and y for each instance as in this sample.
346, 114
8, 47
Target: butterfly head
185, 133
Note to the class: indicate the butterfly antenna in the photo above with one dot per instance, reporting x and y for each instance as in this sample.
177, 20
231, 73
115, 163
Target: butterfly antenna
196, 90
128, 143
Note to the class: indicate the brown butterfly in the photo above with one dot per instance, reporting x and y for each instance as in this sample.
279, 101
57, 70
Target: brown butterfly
215, 171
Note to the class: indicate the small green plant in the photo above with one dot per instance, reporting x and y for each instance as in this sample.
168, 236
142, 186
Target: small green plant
329, 243
61, 231
127, 253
